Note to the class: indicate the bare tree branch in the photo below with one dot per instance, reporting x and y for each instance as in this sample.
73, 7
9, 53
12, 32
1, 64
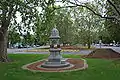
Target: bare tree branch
98, 14
114, 7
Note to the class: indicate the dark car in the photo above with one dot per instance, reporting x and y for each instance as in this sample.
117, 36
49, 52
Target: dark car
117, 45
20, 46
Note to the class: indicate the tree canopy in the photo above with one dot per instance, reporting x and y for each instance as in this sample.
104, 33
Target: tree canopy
78, 22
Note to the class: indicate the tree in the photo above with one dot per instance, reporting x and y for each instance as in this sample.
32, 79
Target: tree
112, 25
28, 11
100, 3
13, 37
28, 39
82, 28
86, 26
64, 23
45, 22
8, 10
102, 11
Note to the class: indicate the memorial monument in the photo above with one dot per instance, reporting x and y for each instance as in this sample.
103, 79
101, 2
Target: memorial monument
55, 59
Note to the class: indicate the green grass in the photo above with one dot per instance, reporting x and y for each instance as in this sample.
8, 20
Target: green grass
98, 69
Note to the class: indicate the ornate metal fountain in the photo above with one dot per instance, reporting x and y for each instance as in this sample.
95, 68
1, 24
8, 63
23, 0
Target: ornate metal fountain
55, 59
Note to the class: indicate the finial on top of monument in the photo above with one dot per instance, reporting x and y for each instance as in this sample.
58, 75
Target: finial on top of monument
54, 33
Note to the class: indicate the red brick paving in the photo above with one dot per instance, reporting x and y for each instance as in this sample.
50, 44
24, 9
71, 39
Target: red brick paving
78, 64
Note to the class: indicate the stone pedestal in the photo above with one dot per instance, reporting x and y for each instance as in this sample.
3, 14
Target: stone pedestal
55, 60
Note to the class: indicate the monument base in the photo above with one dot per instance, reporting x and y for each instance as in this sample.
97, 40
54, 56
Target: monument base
61, 64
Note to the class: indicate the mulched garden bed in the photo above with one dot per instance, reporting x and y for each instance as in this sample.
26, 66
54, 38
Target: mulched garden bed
76, 64
70, 47
76, 48
64, 49
103, 54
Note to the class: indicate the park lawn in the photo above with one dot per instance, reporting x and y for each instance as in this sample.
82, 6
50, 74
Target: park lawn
99, 69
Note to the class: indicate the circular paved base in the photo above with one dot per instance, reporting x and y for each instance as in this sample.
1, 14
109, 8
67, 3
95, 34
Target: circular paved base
55, 65
75, 64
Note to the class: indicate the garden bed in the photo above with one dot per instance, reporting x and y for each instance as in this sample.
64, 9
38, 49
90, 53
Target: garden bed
103, 53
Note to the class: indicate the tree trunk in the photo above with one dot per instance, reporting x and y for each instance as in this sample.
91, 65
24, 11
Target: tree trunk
3, 46
89, 45
89, 42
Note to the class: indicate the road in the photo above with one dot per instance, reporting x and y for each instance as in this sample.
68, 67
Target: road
83, 52
117, 49
22, 51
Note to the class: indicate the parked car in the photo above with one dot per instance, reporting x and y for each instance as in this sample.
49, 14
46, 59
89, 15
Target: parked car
20, 46
111, 44
117, 45
37, 45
